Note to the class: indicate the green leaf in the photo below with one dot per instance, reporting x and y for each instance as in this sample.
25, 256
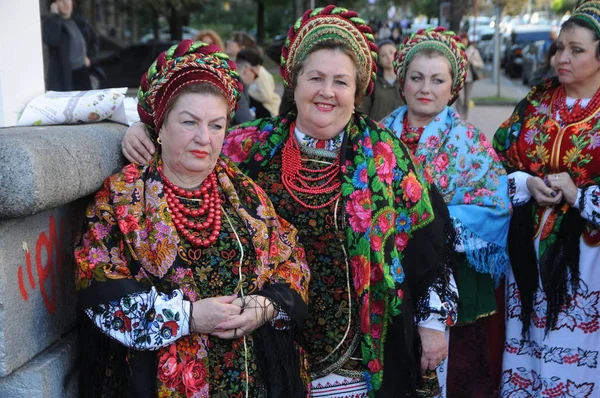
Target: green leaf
168, 314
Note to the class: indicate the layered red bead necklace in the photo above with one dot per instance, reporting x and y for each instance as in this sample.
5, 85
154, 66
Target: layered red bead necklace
188, 219
295, 177
577, 113
411, 135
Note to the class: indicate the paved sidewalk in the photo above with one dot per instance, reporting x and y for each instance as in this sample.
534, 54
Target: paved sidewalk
489, 117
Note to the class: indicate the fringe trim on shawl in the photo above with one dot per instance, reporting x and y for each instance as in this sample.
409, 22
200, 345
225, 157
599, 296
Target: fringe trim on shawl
490, 259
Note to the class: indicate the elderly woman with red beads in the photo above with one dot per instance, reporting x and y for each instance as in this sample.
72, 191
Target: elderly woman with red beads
551, 148
183, 263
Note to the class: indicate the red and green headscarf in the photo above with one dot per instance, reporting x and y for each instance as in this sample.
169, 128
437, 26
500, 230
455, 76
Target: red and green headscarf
182, 65
439, 39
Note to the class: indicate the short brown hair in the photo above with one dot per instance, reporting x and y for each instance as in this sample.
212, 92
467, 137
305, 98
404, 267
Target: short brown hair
243, 39
212, 34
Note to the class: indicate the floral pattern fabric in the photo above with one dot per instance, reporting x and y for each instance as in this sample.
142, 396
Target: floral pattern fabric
130, 238
563, 362
470, 176
386, 201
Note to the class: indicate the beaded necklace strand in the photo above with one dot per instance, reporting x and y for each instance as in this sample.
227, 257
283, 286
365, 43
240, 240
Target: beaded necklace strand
186, 219
295, 179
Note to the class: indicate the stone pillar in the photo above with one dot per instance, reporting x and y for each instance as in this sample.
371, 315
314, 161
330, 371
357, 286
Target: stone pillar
22, 66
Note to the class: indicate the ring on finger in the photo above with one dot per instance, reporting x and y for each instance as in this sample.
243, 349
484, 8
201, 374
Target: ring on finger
556, 177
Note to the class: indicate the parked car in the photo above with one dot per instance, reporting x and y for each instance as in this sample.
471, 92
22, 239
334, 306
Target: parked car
126, 67
520, 37
165, 34
534, 56
488, 52
486, 39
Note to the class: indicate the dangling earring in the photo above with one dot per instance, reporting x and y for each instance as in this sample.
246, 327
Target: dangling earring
159, 141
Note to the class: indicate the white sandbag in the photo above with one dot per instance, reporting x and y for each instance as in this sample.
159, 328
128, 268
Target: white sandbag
70, 107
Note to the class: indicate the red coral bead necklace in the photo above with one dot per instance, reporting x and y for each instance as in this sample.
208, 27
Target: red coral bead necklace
187, 218
294, 178
577, 113
411, 135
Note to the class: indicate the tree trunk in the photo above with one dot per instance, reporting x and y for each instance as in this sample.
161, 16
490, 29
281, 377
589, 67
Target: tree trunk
175, 24
135, 26
457, 10
260, 22
299, 8
155, 27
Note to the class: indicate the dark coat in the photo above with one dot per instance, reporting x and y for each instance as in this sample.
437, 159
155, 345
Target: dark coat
56, 38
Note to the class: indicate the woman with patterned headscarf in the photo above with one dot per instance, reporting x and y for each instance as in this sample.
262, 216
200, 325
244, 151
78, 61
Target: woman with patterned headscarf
183, 261
431, 66
373, 227
551, 148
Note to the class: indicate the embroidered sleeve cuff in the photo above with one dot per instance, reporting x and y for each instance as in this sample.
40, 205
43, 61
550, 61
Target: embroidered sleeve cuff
440, 311
517, 188
144, 321
588, 203
433, 323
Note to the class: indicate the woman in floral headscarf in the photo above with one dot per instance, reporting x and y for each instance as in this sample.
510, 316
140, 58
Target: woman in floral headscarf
184, 261
551, 148
374, 232
431, 66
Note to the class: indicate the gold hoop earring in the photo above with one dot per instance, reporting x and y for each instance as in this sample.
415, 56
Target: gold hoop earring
159, 141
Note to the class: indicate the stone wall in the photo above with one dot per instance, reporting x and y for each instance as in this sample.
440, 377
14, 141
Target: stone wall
47, 175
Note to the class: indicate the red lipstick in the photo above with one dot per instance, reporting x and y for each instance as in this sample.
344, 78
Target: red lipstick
199, 154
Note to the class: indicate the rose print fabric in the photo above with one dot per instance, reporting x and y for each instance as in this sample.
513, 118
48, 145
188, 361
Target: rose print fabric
395, 244
470, 176
136, 277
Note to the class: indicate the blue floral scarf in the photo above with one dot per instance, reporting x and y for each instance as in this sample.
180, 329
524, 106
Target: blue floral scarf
468, 173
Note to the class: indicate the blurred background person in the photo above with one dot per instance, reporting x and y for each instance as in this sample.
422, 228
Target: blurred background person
249, 62
386, 93
474, 73
547, 70
209, 36
263, 88
396, 35
71, 43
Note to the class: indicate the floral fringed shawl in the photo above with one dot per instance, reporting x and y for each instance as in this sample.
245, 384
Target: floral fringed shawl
390, 212
469, 175
130, 245
533, 141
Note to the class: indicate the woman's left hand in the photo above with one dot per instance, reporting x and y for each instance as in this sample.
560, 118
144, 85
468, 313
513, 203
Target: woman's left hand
435, 348
254, 312
564, 183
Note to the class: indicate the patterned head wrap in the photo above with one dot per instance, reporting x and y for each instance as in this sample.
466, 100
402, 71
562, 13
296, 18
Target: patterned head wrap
325, 23
442, 40
590, 13
180, 66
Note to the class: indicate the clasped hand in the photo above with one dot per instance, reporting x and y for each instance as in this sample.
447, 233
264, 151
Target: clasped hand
230, 317
553, 189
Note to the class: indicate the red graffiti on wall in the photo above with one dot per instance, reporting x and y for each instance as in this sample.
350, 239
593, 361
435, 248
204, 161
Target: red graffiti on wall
51, 244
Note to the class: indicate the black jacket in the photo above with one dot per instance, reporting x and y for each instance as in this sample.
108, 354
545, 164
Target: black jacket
56, 38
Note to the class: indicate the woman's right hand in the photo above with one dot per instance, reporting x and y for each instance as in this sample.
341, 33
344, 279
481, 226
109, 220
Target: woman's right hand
543, 194
208, 313
137, 146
